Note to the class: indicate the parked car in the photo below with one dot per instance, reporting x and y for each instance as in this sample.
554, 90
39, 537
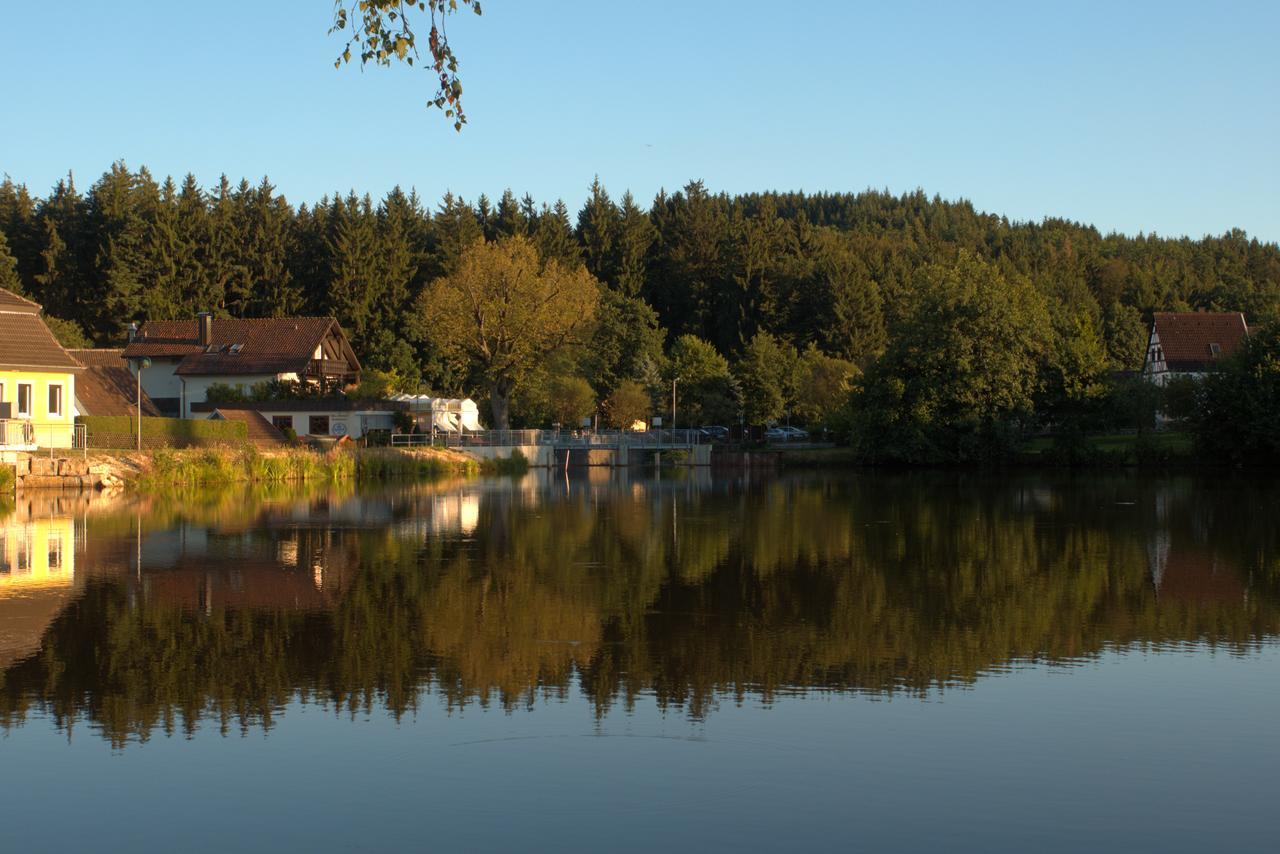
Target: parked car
776, 434
795, 434
715, 434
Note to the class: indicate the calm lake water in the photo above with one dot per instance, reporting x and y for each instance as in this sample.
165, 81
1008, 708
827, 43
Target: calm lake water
619, 662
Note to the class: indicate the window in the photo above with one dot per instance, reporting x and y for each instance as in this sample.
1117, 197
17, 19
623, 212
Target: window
55, 552
235, 349
211, 349
318, 425
24, 399
55, 399
1215, 350
282, 422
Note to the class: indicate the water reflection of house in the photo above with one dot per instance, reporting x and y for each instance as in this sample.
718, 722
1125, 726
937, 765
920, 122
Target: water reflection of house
293, 569
1185, 573
37, 578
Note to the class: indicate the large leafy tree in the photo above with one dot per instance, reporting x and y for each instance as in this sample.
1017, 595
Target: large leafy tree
967, 361
1237, 407
766, 375
503, 310
626, 339
705, 389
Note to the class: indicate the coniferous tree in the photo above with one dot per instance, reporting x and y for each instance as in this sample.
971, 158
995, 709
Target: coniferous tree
9, 280
272, 291
554, 237
63, 271
597, 233
635, 235
510, 218
22, 228
455, 229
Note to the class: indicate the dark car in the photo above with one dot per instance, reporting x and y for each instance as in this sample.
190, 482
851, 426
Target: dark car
715, 434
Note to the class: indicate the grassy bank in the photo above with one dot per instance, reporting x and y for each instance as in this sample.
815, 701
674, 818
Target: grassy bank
1118, 449
1122, 449
166, 467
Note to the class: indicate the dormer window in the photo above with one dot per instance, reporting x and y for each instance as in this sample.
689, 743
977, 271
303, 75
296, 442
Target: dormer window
210, 349
235, 349
1215, 350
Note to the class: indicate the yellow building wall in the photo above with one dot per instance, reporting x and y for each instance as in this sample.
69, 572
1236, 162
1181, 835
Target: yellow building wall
52, 431
36, 554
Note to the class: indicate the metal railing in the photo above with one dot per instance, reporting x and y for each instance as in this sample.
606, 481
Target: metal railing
557, 438
15, 432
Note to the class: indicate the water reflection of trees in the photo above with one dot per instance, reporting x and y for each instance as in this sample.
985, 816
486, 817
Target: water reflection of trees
684, 592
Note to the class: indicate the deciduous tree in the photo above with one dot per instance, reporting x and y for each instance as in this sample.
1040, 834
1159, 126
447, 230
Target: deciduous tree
503, 310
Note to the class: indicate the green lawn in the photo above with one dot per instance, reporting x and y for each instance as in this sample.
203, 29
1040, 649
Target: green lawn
1171, 443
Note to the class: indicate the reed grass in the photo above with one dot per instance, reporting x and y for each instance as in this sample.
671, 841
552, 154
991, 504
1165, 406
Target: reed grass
249, 464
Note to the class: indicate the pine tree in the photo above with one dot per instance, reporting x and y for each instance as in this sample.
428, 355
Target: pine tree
273, 292
598, 225
62, 271
554, 237
635, 235
455, 229
353, 262
510, 219
9, 280
23, 229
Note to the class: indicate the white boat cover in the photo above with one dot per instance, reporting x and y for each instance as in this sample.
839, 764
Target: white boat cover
452, 415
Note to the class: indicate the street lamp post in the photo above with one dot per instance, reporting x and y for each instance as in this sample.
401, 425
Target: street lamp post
673, 407
144, 362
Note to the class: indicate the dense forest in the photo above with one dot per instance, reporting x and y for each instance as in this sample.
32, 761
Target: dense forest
716, 289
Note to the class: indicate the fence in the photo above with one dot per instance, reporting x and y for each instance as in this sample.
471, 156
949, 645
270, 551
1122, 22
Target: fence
557, 438
121, 431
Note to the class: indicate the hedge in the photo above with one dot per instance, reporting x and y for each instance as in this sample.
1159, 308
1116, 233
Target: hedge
120, 431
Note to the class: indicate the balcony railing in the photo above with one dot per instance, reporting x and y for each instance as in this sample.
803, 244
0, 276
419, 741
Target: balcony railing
14, 433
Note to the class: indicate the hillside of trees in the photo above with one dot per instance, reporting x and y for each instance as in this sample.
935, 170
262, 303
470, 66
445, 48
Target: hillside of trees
718, 290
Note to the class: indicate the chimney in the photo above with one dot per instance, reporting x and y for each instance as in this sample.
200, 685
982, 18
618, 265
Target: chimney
204, 328
133, 331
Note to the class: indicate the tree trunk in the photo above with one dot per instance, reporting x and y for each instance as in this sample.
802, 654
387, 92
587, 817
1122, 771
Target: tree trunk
500, 403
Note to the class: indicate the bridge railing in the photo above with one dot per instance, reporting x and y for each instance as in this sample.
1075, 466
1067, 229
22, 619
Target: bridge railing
557, 438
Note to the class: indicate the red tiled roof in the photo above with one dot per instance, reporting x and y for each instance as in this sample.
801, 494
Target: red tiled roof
1186, 337
9, 301
106, 387
261, 431
270, 345
25, 342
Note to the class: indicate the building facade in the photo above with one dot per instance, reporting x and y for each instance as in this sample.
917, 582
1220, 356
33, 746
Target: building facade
1187, 344
37, 380
188, 357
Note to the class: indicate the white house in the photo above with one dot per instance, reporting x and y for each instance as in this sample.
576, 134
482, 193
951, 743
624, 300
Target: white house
1186, 344
188, 356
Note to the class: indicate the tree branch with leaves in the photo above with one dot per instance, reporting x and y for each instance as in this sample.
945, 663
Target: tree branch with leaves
380, 32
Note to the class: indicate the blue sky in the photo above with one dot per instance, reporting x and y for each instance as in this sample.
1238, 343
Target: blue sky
1161, 116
